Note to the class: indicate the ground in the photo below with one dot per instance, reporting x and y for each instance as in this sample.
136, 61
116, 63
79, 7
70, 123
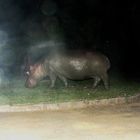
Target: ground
121, 122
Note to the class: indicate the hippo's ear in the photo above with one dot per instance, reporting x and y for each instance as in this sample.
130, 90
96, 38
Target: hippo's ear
31, 67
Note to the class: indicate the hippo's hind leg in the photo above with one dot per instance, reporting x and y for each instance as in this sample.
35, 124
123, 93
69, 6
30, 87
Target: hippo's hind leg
104, 77
97, 79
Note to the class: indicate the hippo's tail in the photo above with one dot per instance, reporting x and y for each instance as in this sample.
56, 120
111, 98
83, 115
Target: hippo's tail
108, 63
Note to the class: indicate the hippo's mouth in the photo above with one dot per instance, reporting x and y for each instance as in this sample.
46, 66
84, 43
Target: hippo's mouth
30, 83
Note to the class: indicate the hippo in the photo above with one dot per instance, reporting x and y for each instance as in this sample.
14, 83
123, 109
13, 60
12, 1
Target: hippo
73, 66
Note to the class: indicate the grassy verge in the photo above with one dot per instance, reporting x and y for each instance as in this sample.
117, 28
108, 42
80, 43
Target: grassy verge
16, 93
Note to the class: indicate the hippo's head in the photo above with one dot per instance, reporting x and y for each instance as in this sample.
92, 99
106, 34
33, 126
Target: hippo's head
33, 75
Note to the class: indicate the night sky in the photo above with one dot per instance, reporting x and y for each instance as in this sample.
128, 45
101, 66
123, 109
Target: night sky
32, 26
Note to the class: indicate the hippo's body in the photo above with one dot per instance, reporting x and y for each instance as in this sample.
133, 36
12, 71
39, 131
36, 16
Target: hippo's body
74, 66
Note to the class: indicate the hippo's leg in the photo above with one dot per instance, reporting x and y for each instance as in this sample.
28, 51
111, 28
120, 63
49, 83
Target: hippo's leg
104, 77
53, 79
96, 81
64, 80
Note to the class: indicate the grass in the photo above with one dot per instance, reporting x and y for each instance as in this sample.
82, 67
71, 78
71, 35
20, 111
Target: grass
16, 93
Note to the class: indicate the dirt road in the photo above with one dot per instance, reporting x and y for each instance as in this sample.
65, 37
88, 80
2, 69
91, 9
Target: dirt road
97, 123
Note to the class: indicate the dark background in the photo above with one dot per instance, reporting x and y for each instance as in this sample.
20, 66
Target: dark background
32, 27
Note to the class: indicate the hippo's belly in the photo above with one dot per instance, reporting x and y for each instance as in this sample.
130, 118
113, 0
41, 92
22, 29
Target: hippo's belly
76, 69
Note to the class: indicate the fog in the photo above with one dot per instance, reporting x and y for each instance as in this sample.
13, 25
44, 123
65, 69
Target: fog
34, 27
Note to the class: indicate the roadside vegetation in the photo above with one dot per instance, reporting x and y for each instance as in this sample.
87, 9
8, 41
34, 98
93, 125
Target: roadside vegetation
16, 93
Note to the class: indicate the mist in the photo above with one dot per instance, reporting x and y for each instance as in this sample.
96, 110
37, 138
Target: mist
37, 26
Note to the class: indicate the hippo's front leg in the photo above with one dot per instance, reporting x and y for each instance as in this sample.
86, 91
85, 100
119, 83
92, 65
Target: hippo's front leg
53, 79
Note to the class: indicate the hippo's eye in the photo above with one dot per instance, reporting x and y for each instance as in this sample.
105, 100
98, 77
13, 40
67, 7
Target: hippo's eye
27, 72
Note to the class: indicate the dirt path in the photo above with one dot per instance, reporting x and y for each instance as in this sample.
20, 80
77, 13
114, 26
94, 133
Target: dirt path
101, 123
